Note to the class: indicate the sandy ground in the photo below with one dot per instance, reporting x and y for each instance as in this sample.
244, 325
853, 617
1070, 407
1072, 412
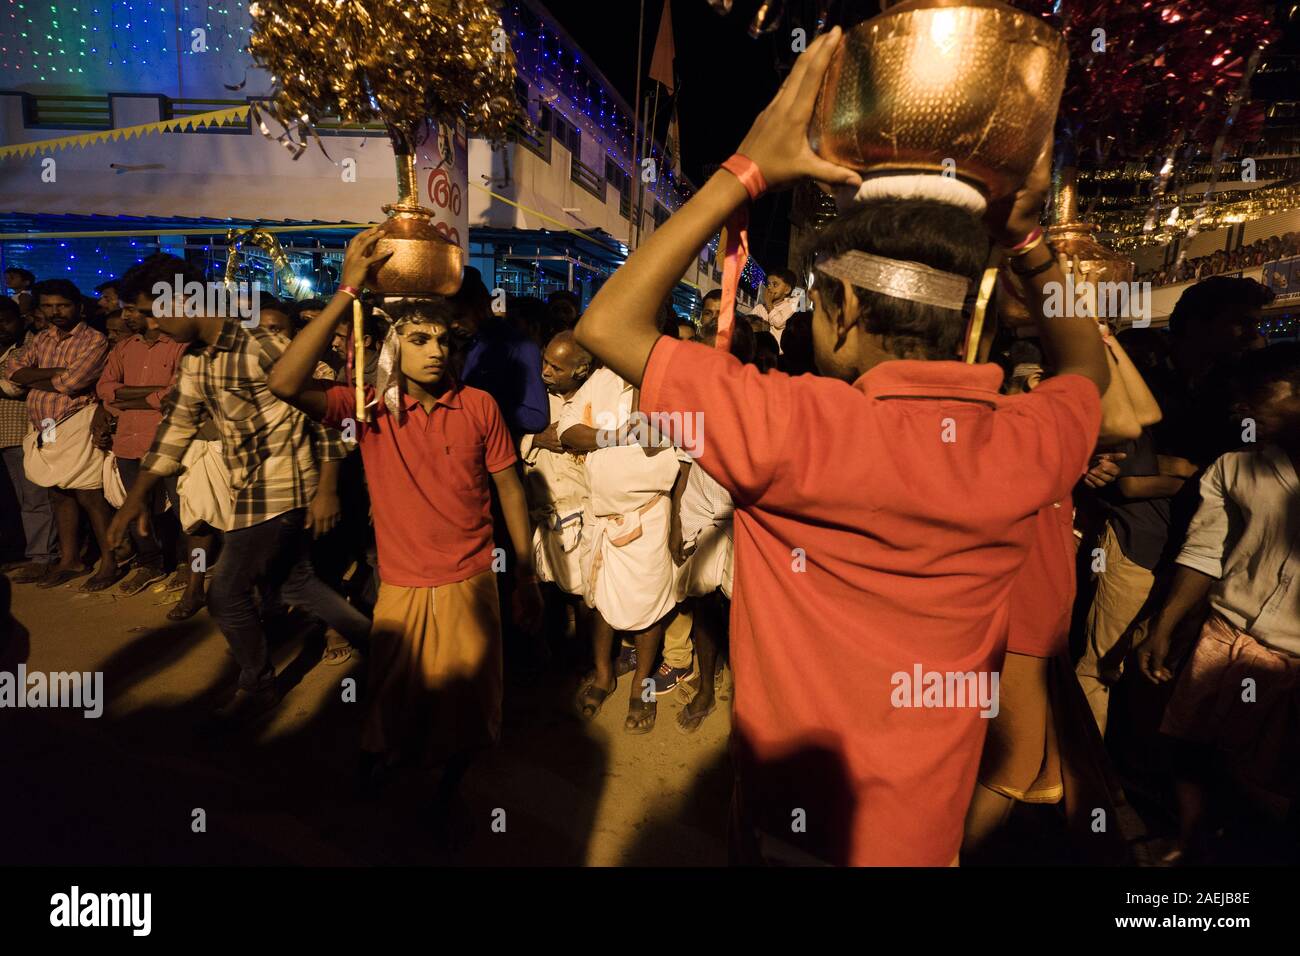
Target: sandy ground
127, 787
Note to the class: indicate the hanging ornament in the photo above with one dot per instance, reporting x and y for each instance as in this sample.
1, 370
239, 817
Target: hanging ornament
767, 18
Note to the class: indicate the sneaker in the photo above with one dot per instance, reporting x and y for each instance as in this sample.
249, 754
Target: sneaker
245, 707
141, 578
667, 678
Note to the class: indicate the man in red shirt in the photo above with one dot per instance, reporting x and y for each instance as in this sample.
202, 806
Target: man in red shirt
880, 519
429, 449
137, 376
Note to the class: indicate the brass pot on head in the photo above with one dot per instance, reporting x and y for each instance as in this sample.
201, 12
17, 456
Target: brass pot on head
423, 262
973, 82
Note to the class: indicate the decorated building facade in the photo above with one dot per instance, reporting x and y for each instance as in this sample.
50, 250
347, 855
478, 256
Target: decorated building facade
158, 148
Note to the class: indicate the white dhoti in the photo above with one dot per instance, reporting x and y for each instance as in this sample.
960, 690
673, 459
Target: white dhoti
63, 455
709, 565
114, 490
628, 573
204, 487
557, 550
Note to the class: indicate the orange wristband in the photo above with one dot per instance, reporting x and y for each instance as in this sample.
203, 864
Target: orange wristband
747, 171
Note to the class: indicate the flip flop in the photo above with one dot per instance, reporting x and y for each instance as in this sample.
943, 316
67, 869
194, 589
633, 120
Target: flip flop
29, 573
186, 609
592, 698
688, 723
59, 578
335, 656
640, 717
98, 583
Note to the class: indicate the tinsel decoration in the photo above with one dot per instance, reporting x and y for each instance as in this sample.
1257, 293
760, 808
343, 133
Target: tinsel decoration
1160, 70
368, 61
258, 237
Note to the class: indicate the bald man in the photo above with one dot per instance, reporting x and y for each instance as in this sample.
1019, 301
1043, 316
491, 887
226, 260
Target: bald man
556, 481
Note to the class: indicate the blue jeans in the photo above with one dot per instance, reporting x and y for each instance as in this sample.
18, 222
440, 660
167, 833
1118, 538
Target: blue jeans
34, 502
274, 556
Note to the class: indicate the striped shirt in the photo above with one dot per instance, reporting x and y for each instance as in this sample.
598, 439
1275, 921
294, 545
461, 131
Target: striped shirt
267, 445
80, 352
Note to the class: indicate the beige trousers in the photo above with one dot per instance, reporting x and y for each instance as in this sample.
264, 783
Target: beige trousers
1122, 589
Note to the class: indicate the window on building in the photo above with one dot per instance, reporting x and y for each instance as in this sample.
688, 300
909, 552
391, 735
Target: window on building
568, 135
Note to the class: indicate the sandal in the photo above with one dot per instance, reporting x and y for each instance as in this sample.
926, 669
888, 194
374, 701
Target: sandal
29, 573
591, 699
688, 723
334, 656
55, 578
186, 608
640, 717
103, 583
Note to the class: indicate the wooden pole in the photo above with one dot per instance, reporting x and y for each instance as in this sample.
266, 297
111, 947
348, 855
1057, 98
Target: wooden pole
648, 146
636, 121
359, 359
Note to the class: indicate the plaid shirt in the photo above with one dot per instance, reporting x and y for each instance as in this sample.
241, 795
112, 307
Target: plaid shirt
267, 445
14, 424
80, 352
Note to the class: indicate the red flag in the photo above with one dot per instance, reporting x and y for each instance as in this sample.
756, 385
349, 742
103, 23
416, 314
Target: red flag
661, 64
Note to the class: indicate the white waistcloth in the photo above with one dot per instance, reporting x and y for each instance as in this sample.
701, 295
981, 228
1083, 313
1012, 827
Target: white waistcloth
63, 456
204, 487
557, 553
114, 490
1246, 533
628, 574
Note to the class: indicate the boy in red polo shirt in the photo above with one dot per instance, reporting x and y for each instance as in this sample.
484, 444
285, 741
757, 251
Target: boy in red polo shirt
428, 450
881, 518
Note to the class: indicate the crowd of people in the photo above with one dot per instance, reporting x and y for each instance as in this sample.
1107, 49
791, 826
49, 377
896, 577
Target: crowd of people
817, 498
1217, 263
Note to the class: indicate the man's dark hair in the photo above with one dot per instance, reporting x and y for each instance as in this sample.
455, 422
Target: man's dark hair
1211, 297
296, 309
767, 351
666, 320
115, 284
711, 295
439, 310
473, 293
60, 287
266, 302
26, 274
563, 308
1259, 369
141, 278
797, 345
935, 234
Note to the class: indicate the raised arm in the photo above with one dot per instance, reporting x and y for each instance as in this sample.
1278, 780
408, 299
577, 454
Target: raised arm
1071, 343
619, 325
291, 379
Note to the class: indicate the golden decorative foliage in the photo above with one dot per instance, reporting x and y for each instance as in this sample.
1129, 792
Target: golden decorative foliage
382, 60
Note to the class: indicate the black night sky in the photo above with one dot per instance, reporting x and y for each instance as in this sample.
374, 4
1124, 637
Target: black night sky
725, 79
